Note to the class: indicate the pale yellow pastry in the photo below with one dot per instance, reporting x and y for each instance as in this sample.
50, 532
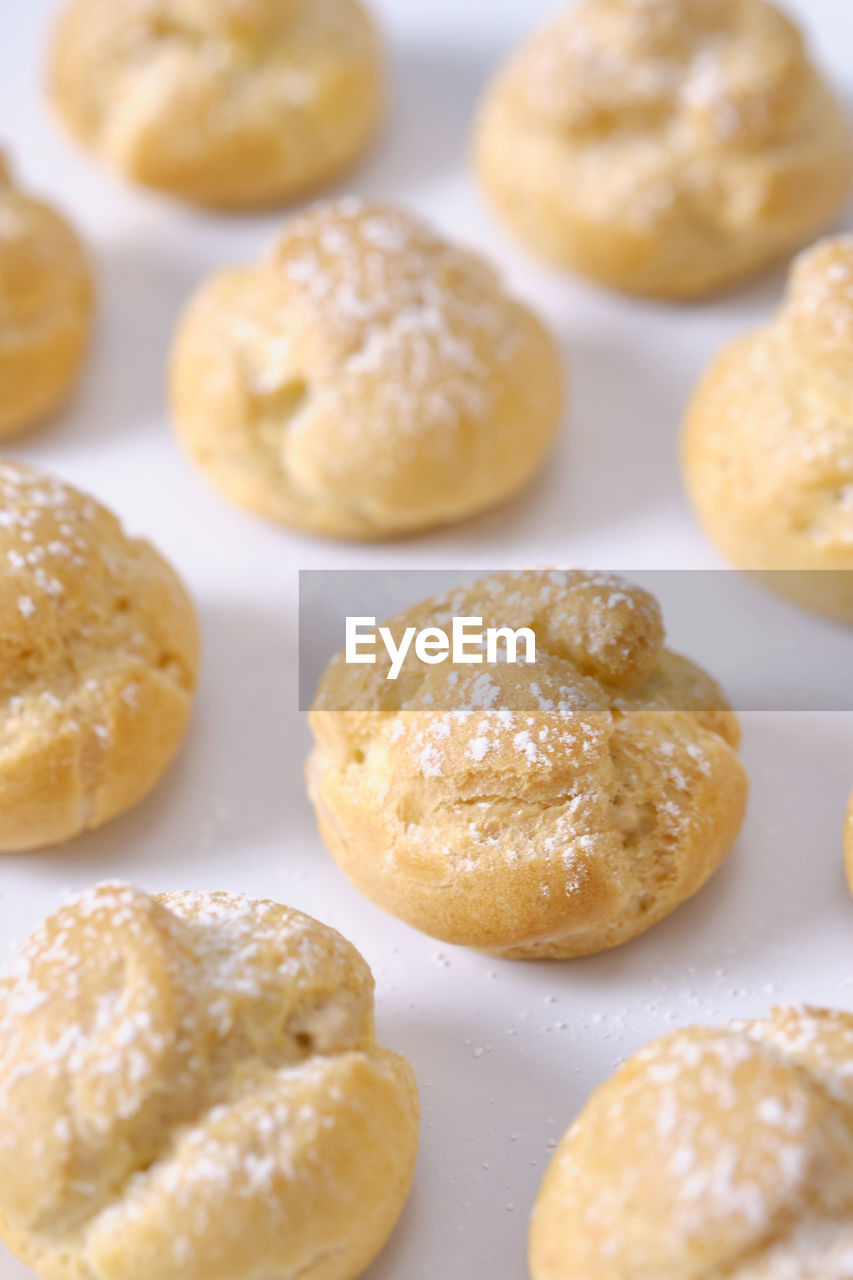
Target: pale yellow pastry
545, 810
235, 104
98, 656
365, 379
665, 147
714, 1154
191, 1089
46, 303
768, 444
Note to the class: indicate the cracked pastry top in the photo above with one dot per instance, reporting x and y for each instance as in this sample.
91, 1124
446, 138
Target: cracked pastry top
98, 657
715, 1153
542, 811
46, 304
768, 441
191, 1089
665, 147
235, 104
365, 379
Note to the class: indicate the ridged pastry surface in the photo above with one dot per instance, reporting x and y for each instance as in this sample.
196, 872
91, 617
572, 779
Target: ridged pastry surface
546, 811
98, 661
664, 147
366, 379
768, 441
714, 1154
46, 305
236, 104
190, 1089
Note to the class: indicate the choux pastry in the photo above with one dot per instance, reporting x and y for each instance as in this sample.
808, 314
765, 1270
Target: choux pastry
365, 379
665, 147
235, 104
98, 656
191, 1089
550, 810
46, 304
714, 1152
768, 446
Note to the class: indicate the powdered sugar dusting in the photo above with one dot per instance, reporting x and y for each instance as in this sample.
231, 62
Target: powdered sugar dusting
76, 598
732, 1139
421, 322
658, 94
192, 1046
576, 779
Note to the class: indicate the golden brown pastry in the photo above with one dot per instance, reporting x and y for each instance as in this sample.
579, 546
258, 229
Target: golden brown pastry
235, 104
665, 147
720, 1154
365, 379
98, 657
768, 445
191, 1089
550, 810
46, 303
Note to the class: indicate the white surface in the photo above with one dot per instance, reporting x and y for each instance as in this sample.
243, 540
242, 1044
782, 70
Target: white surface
505, 1054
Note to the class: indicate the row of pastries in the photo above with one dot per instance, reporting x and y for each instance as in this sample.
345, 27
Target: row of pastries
190, 1083
367, 379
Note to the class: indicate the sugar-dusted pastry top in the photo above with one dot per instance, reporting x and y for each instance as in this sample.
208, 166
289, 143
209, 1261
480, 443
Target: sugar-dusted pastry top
551, 810
98, 657
816, 320
231, 103
46, 302
665, 146
729, 69
190, 1088
366, 378
724, 1154
769, 436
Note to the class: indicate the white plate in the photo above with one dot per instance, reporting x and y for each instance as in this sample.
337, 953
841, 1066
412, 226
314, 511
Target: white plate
505, 1053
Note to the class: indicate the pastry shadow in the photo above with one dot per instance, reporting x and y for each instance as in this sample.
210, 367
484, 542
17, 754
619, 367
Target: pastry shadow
486, 1123
759, 295
237, 778
141, 293
627, 410
493, 537
133, 373
435, 91
11, 1268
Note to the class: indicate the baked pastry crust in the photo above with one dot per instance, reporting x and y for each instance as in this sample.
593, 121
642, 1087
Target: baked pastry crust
768, 442
98, 658
668, 148
46, 304
366, 379
714, 1153
235, 104
190, 1089
542, 814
